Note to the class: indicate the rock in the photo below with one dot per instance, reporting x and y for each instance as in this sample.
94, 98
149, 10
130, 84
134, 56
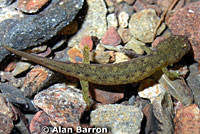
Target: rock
94, 22
120, 119
114, 48
163, 111
186, 21
134, 45
111, 37
22, 30
151, 92
123, 12
123, 18
75, 55
35, 80
5, 3
104, 95
112, 20
7, 76
64, 105
31, 6
139, 5
16, 97
193, 81
120, 57
86, 41
164, 4
142, 25
21, 67
123, 7
39, 121
187, 120
6, 124
7, 108
178, 89
100, 56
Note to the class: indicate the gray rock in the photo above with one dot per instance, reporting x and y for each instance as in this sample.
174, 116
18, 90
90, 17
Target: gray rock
4, 3
120, 119
163, 111
22, 30
94, 22
193, 81
134, 45
142, 25
112, 20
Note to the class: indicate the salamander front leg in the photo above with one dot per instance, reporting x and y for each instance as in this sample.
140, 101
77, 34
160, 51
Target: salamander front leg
85, 84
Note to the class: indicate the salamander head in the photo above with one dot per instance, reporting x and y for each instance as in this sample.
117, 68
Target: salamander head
174, 47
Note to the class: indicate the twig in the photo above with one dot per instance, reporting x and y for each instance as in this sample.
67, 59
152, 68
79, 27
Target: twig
163, 17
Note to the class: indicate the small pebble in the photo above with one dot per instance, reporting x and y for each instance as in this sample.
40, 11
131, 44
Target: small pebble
86, 41
123, 18
121, 57
112, 20
152, 92
100, 56
111, 37
134, 45
21, 67
75, 54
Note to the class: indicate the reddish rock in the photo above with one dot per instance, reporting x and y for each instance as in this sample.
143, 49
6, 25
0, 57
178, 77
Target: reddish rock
87, 40
35, 80
111, 37
63, 106
39, 121
31, 6
6, 124
187, 120
186, 21
11, 66
75, 55
100, 94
